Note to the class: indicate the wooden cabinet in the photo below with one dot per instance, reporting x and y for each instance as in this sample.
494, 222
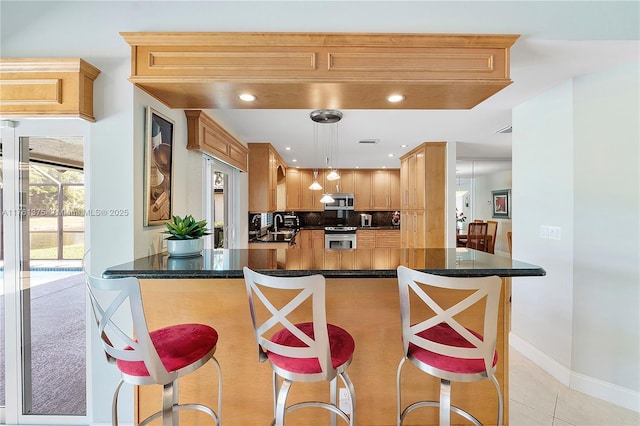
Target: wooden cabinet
339, 259
412, 179
299, 197
205, 135
43, 87
347, 182
363, 190
423, 196
373, 189
378, 238
266, 173
317, 239
365, 238
310, 238
385, 186
387, 238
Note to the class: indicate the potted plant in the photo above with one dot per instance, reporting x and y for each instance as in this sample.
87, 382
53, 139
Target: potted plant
460, 219
185, 237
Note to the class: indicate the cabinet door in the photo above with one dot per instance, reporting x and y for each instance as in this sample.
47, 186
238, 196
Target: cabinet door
307, 195
303, 239
362, 193
317, 239
404, 183
380, 189
273, 180
293, 184
388, 238
394, 190
365, 238
347, 181
419, 180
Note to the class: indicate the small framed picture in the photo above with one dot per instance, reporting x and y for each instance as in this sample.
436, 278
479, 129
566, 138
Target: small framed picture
158, 168
501, 203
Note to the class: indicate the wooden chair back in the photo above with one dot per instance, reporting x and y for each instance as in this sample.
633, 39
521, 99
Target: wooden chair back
492, 232
477, 236
509, 242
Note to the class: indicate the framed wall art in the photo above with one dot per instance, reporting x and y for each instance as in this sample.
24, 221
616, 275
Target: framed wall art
158, 167
501, 203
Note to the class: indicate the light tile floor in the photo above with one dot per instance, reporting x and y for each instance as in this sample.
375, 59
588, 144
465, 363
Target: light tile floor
537, 399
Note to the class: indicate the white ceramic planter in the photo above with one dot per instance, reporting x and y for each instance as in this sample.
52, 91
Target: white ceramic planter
185, 248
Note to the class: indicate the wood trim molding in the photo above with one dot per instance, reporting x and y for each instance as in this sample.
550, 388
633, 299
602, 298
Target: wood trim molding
59, 87
313, 70
205, 135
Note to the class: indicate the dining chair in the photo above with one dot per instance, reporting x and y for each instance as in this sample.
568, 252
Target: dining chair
146, 357
509, 243
477, 236
436, 340
307, 351
492, 233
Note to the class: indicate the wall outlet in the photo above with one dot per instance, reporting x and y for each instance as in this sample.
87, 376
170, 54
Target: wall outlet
345, 403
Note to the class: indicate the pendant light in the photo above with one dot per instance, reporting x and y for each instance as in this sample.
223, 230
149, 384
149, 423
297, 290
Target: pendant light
326, 117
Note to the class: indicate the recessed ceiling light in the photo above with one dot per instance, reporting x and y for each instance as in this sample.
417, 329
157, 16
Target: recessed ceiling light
294, 161
395, 98
247, 97
390, 155
287, 148
404, 145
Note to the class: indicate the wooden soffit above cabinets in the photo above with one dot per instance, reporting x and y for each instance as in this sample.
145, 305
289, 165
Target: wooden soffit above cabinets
51, 87
309, 71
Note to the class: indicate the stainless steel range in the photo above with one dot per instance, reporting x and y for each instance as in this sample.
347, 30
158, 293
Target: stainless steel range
340, 237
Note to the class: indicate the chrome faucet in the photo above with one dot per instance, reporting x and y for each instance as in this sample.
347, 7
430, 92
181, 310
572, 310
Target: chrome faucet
275, 221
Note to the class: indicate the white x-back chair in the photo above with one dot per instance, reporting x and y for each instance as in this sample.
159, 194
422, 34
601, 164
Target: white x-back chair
309, 351
442, 347
144, 358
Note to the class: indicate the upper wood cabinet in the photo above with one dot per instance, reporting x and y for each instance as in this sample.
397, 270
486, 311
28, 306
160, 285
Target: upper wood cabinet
385, 189
423, 196
299, 196
51, 87
205, 135
377, 189
266, 173
355, 71
373, 189
363, 190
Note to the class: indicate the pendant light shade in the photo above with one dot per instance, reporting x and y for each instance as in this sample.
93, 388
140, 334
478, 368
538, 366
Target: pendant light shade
333, 175
315, 186
326, 198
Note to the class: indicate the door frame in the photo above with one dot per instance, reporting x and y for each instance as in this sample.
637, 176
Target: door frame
11, 132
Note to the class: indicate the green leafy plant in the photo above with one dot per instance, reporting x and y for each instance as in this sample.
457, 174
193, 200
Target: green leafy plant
186, 228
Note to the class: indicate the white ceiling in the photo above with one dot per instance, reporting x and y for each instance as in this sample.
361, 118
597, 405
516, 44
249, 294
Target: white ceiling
559, 40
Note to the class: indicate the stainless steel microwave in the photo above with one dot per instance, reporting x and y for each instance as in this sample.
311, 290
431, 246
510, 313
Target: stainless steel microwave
340, 202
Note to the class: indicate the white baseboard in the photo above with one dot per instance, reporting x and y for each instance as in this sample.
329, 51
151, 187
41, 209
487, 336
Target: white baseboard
623, 397
548, 364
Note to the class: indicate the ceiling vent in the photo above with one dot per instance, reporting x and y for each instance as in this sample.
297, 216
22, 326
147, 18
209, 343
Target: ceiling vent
506, 129
369, 141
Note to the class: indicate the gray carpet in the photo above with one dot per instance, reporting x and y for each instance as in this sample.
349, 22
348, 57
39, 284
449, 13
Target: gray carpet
58, 350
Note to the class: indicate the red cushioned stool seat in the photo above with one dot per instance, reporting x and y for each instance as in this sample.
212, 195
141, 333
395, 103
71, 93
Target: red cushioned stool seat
178, 346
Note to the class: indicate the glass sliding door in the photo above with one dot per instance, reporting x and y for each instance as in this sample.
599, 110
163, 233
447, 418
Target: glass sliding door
43, 286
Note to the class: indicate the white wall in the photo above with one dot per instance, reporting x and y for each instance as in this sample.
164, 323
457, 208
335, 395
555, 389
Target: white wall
575, 154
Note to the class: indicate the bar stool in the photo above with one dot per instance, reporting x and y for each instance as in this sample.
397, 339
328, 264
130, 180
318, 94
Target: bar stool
146, 358
442, 347
303, 352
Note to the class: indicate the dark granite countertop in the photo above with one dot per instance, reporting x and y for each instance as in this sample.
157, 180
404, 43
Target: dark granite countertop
228, 263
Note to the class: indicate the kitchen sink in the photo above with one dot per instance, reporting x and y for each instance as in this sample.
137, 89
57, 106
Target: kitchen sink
278, 236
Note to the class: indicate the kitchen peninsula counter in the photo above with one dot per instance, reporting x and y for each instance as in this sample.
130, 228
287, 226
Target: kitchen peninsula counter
361, 296
293, 262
